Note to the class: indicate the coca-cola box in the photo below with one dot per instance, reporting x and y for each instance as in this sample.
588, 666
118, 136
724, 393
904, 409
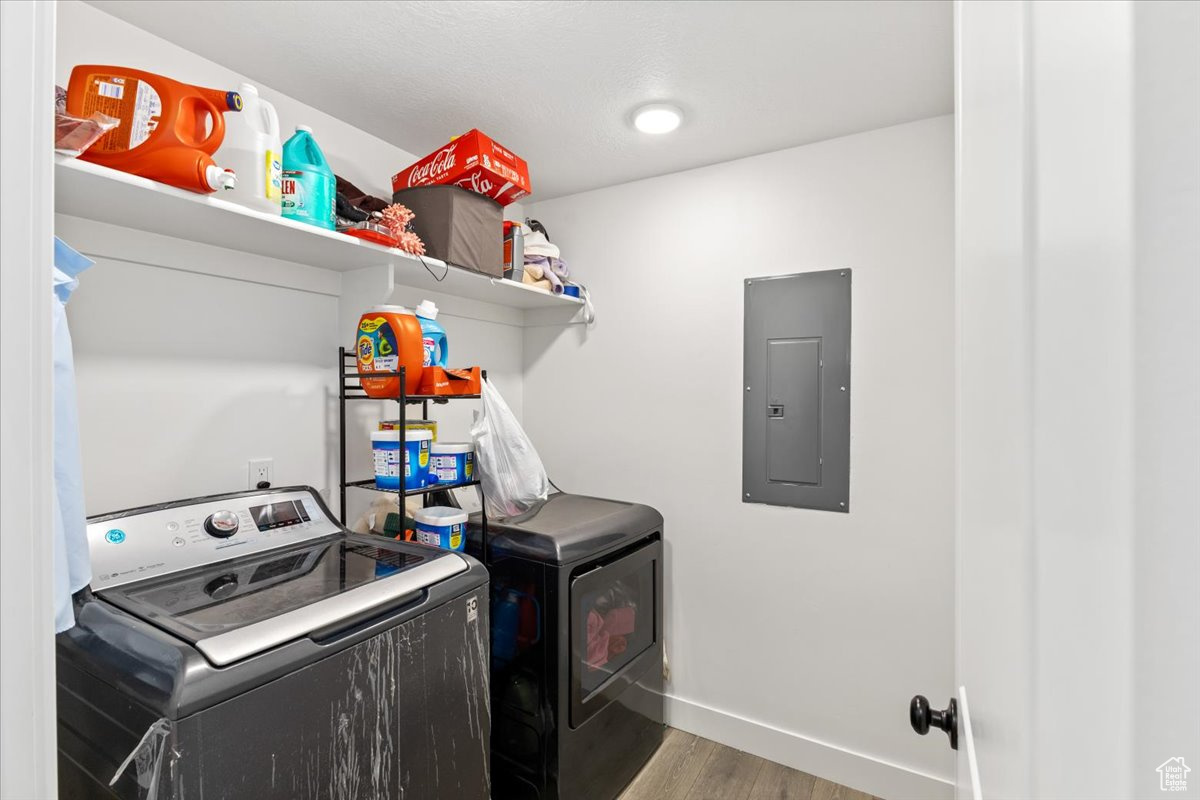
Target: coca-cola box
475, 162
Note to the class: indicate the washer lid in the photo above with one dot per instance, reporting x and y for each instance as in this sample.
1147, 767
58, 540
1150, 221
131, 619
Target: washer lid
238, 608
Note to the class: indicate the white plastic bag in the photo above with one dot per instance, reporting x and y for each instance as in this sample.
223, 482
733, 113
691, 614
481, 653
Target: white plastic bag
509, 467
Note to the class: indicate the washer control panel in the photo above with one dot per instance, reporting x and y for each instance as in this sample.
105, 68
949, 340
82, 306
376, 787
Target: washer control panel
157, 540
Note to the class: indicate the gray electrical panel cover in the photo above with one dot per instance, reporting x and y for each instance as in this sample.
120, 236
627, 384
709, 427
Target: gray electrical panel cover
796, 410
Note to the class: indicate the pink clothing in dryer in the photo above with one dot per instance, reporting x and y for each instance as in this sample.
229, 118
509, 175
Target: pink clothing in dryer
597, 641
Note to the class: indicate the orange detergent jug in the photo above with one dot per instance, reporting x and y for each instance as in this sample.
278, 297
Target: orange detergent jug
168, 131
389, 337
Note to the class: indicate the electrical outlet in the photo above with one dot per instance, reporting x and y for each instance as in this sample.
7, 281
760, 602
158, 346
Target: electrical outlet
260, 470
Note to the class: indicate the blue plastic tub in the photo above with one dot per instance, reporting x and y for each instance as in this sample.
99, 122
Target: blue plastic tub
453, 462
442, 526
388, 455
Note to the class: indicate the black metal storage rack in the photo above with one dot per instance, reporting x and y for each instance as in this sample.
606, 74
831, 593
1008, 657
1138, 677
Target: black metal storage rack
350, 388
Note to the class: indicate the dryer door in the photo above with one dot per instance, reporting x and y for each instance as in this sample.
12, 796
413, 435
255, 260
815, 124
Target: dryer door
615, 626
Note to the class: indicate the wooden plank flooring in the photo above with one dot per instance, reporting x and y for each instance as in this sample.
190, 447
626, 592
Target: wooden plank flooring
687, 767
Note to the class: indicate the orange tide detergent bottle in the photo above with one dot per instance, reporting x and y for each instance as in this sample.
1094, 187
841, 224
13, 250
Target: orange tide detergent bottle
168, 131
389, 337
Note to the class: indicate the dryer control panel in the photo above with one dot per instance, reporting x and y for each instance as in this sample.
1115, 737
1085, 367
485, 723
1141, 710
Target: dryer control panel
157, 540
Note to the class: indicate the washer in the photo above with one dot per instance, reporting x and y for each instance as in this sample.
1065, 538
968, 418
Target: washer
247, 646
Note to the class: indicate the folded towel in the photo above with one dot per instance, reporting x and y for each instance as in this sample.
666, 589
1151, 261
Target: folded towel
528, 278
536, 244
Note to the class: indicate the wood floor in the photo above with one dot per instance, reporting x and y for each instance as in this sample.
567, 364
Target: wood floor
687, 767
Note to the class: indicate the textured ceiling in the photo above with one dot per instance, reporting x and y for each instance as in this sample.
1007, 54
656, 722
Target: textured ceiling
556, 82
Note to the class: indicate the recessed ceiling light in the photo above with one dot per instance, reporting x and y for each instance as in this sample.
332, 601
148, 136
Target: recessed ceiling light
657, 118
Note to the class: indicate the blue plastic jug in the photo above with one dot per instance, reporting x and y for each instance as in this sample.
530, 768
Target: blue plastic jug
309, 188
433, 335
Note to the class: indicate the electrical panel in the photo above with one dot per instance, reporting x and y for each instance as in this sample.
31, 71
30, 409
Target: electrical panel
796, 405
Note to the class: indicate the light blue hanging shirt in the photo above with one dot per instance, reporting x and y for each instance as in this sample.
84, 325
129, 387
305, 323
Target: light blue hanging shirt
72, 566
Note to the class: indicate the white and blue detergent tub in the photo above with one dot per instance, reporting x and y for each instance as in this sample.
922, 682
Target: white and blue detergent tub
453, 462
442, 526
407, 465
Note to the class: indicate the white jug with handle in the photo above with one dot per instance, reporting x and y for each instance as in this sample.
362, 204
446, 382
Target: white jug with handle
252, 149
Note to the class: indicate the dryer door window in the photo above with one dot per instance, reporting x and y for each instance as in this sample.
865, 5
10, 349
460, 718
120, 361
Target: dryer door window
614, 626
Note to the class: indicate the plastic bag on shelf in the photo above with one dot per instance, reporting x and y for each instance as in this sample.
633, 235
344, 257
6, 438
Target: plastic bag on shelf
73, 135
510, 468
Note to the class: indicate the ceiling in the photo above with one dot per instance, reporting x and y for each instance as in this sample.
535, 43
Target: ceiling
556, 82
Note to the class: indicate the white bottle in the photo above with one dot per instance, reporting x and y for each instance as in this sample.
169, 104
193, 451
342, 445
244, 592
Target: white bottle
252, 149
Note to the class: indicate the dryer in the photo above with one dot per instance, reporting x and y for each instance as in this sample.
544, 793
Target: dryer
577, 646
247, 646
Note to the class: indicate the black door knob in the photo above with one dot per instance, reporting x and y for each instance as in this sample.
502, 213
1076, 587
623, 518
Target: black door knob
923, 718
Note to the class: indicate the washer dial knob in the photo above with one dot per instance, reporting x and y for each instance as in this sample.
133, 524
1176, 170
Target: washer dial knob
221, 524
222, 587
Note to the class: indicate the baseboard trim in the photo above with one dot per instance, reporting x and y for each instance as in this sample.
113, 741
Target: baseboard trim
856, 770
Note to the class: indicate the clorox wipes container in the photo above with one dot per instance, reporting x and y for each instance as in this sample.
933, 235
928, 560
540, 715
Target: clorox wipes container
389, 337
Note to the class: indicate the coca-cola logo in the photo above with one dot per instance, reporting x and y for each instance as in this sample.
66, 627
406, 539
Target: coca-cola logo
477, 183
429, 172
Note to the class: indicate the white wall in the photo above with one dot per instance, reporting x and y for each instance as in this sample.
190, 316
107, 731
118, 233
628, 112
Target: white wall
184, 377
799, 635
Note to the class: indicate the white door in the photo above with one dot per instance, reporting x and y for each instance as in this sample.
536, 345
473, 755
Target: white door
1078, 235
27, 724
994, 492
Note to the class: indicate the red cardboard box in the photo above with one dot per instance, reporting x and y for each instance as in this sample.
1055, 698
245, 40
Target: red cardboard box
472, 161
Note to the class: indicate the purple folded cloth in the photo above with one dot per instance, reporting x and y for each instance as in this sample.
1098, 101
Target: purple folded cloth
553, 270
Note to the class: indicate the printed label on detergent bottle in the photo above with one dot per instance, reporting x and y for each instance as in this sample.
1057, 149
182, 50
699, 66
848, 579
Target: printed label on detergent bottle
293, 192
376, 343
429, 346
274, 173
125, 99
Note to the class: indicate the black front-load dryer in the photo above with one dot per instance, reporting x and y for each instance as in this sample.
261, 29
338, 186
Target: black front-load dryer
577, 646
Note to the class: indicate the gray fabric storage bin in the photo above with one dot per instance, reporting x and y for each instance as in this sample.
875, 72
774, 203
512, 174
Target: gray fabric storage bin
457, 226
